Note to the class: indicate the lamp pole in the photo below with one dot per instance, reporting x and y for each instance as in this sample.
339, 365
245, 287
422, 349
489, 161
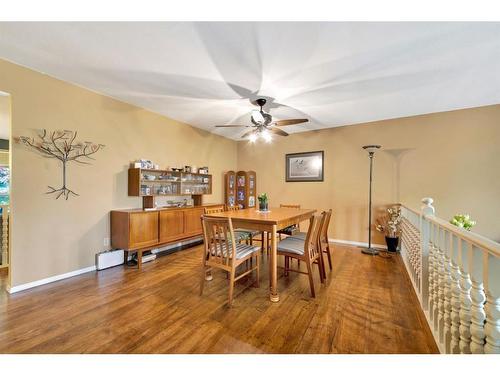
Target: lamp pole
371, 152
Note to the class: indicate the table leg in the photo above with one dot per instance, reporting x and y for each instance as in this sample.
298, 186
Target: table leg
273, 268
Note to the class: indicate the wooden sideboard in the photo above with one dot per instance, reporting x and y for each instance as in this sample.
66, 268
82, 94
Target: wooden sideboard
136, 230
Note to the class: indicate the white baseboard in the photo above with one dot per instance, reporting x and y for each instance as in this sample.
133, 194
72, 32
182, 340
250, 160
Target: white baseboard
18, 288
354, 243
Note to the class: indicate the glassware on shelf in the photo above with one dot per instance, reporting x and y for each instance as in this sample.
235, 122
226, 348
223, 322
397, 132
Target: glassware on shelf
145, 190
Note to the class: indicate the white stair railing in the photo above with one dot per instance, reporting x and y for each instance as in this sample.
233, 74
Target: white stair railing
456, 275
4, 235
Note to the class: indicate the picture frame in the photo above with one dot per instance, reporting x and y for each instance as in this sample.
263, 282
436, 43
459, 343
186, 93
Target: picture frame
305, 166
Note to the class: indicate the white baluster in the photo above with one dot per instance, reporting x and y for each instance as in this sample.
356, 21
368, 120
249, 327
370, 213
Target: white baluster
425, 252
438, 280
455, 295
492, 306
478, 297
447, 293
432, 262
431, 277
465, 298
441, 287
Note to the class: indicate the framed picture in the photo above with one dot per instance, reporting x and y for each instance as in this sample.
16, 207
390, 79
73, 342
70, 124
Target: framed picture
304, 166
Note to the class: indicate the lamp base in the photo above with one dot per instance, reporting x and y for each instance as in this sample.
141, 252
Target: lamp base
369, 251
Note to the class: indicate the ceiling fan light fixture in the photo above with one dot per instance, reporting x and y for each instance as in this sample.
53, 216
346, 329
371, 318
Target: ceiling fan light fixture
266, 136
252, 138
257, 116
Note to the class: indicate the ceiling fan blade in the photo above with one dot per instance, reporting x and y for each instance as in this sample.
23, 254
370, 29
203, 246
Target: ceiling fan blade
290, 122
278, 132
247, 134
232, 126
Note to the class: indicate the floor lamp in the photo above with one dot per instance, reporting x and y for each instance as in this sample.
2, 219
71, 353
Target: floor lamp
369, 250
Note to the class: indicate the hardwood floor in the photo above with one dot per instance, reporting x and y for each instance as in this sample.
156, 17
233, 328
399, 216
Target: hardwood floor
366, 306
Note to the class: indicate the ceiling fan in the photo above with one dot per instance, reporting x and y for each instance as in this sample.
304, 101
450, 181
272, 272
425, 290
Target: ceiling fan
263, 124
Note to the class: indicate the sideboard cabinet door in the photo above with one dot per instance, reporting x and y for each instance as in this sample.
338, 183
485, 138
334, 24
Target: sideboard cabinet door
171, 225
192, 222
143, 229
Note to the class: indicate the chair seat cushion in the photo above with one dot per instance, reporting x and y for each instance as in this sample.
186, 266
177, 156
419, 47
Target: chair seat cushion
242, 250
290, 245
299, 236
288, 230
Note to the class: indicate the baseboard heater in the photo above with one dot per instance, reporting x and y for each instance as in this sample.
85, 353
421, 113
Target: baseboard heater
112, 258
108, 259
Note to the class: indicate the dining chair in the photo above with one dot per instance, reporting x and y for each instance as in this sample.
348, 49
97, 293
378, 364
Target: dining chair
222, 251
214, 209
239, 235
323, 237
286, 231
307, 251
251, 233
290, 230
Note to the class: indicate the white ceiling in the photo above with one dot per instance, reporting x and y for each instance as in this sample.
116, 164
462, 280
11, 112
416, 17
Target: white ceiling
332, 73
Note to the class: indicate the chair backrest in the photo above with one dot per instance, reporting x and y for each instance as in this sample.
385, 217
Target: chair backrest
290, 206
218, 236
214, 209
311, 244
323, 236
232, 208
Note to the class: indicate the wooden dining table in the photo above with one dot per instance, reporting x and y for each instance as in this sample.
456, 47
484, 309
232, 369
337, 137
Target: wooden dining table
269, 222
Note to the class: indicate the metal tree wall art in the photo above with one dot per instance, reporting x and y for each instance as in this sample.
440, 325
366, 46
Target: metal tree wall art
62, 145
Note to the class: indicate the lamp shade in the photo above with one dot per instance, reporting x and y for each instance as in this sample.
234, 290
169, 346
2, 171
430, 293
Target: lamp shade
371, 148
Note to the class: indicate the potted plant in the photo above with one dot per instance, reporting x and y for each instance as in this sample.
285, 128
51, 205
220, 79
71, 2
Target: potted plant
263, 202
389, 224
463, 221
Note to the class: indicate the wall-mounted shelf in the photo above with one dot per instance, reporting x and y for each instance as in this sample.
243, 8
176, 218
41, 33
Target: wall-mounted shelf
166, 183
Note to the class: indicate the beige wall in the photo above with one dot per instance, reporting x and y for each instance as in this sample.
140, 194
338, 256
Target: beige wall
52, 237
453, 157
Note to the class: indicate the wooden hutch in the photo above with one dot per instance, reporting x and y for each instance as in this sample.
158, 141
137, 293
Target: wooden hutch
241, 189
